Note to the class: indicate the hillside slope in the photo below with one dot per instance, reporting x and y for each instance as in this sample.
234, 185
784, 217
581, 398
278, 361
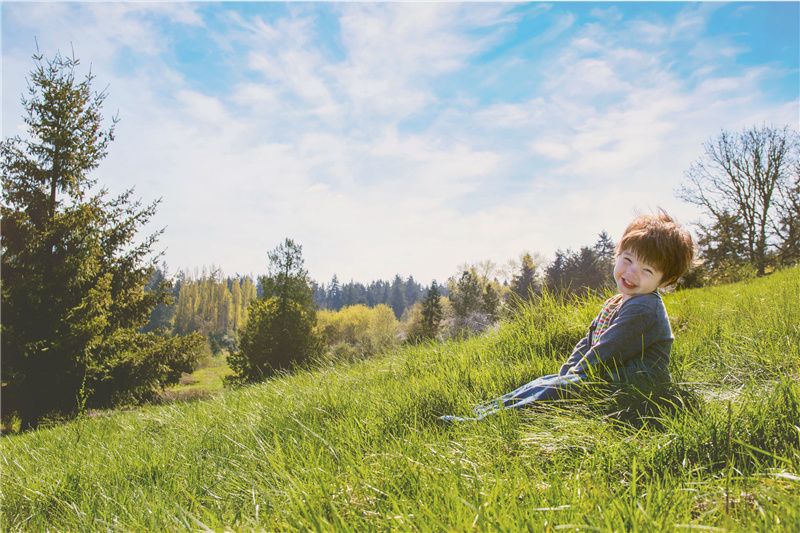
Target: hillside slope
359, 447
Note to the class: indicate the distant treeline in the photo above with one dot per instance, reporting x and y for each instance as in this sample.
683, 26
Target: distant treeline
397, 294
216, 305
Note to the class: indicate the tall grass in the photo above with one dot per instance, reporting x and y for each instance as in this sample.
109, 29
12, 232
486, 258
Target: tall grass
359, 447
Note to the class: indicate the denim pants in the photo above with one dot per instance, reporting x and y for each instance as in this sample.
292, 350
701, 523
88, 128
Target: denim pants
545, 388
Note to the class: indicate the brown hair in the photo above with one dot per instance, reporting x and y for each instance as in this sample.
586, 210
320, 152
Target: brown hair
658, 240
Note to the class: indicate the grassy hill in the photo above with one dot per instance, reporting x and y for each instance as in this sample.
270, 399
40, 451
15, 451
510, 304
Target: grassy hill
359, 447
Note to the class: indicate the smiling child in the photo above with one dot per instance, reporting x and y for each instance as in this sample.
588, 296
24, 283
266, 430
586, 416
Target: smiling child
631, 337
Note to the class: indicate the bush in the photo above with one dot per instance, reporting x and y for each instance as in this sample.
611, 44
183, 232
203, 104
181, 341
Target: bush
368, 331
275, 337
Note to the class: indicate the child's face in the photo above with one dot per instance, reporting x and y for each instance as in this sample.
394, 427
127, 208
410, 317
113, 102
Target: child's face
634, 276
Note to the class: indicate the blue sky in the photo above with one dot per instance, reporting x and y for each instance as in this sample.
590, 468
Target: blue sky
409, 138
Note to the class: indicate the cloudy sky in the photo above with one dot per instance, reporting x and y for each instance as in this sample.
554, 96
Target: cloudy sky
409, 138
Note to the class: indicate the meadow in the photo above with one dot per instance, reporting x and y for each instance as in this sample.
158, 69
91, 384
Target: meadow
358, 446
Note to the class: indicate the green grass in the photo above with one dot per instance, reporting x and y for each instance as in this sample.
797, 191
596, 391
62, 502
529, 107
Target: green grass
359, 447
202, 383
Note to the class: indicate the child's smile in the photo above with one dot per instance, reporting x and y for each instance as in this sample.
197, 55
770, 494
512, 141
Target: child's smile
634, 276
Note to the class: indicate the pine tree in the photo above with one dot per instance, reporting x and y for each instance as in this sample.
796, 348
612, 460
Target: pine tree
588, 274
490, 302
555, 272
581, 271
605, 247
335, 294
73, 275
280, 328
525, 283
398, 296
466, 296
605, 250
412, 292
432, 312
163, 313
320, 295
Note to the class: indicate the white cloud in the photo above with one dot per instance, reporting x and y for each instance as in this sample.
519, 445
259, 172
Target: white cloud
395, 50
554, 150
649, 32
562, 23
610, 15
692, 21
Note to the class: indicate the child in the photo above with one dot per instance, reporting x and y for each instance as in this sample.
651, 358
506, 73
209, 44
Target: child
631, 337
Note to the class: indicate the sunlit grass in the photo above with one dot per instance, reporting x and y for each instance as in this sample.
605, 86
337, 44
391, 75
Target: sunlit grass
359, 447
205, 382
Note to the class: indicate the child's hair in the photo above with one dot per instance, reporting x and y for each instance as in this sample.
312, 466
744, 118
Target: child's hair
658, 240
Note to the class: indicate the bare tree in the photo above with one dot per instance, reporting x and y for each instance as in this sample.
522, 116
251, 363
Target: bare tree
788, 223
741, 177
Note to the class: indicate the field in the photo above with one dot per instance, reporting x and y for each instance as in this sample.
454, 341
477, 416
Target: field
359, 447
204, 383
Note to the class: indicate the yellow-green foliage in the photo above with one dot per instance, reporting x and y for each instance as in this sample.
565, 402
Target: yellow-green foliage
366, 330
207, 305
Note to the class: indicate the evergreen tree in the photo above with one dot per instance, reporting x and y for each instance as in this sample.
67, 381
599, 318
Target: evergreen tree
586, 270
605, 251
413, 291
162, 314
578, 272
466, 296
335, 294
353, 294
432, 312
320, 295
525, 283
287, 279
724, 248
73, 275
374, 294
280, 327
398, 296
604, 248
555, 272
490, 302
379, 293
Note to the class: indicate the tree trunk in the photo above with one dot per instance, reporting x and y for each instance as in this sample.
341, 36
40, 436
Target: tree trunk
30, 409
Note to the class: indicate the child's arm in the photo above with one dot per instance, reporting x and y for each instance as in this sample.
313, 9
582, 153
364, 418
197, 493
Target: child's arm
579, 351
639, 330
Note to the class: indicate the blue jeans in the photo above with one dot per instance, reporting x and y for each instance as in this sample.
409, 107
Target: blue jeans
545, 388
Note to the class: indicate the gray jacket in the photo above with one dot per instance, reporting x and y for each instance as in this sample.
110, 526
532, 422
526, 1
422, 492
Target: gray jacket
637, 342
